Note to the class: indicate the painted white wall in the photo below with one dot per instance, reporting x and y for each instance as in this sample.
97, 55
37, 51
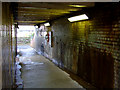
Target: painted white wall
0, 45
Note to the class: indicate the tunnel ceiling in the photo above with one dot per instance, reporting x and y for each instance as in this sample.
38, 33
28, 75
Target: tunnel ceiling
31, 13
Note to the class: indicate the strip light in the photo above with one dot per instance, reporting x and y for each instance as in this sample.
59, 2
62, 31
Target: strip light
47, 24
77, 18
77, 5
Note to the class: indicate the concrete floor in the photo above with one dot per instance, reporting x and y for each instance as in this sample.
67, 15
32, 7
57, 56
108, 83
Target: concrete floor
39, 72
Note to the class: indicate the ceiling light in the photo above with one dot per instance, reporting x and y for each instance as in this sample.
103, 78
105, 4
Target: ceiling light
77, 5
47, 24
77, 18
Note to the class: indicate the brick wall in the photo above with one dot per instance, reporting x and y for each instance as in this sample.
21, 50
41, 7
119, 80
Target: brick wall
90, 48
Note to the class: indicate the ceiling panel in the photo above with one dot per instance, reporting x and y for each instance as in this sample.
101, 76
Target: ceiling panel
36, 12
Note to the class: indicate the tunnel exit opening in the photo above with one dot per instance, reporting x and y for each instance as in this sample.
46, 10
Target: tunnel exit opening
24, 34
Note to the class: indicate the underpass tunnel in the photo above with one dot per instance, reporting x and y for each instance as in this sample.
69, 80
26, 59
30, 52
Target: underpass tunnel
70, 45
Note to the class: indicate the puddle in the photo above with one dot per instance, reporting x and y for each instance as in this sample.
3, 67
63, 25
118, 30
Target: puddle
29, 62
32, 63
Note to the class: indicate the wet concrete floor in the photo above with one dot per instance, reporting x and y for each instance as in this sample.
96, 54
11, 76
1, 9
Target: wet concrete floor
39, 72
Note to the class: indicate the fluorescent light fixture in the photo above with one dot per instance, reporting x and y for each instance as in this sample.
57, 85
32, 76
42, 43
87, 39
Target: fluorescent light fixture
77, 18
47, 24
77, 5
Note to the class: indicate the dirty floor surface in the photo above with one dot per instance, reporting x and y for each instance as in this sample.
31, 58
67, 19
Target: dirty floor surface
39, 72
